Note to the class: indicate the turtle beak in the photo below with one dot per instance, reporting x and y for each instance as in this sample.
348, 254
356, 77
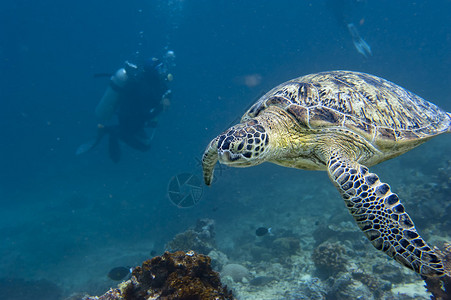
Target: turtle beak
241, 145
209, 160
228, 158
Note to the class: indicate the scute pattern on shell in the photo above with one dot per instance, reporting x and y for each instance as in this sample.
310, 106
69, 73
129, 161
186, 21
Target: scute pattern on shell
374, 107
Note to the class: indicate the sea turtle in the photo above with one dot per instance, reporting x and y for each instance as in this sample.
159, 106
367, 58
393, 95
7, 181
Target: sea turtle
342, 122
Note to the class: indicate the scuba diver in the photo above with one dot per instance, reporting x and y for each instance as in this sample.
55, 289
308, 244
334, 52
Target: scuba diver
343, 11
136, 95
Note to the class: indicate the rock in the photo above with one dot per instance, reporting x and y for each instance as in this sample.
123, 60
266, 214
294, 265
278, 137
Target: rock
329, 259
200, 239
218, 259
261, 280
176, 275
286, 245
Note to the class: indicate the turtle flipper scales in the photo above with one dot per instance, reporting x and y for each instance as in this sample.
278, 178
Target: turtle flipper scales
209, 160
380, 215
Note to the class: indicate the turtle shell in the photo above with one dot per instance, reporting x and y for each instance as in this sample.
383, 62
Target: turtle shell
378, 110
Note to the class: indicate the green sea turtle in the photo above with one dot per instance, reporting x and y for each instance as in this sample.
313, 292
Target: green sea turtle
342, 122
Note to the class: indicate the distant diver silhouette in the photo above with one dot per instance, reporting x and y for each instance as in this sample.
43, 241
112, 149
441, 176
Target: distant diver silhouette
136, 95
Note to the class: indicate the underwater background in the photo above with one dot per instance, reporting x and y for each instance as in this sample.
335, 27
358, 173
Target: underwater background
67, 220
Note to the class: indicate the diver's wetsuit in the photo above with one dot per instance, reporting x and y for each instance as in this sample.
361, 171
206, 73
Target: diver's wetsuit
139, 103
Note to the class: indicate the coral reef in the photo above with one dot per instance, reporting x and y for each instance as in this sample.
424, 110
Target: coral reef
286, 246
444, 175
345, 287
262, 280
236, 272
200, 239
309, 288
375, 285
417, 195
275, 247
440, 288
444, 181
172, 276
430, 214
218, 259
329, 259
344, 230
389, 272
369, 280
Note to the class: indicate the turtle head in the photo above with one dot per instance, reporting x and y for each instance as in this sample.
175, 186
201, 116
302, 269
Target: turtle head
242, 145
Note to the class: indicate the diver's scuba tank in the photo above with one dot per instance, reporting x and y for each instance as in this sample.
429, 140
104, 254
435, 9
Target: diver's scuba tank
108, 104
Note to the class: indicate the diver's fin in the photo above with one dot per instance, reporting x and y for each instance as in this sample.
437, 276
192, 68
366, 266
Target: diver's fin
362, 47
114, 149
83, 148
366, 48
101, 131
359, 43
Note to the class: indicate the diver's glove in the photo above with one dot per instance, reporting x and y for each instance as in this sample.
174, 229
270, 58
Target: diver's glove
360, 45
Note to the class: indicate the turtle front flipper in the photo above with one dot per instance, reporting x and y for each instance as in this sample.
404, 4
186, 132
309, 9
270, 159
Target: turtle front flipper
209, 160
383, 219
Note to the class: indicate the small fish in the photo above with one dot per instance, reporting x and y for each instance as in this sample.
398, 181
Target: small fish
261, 231
119, 273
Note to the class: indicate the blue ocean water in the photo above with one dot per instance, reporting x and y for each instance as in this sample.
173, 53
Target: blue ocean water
69, 219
